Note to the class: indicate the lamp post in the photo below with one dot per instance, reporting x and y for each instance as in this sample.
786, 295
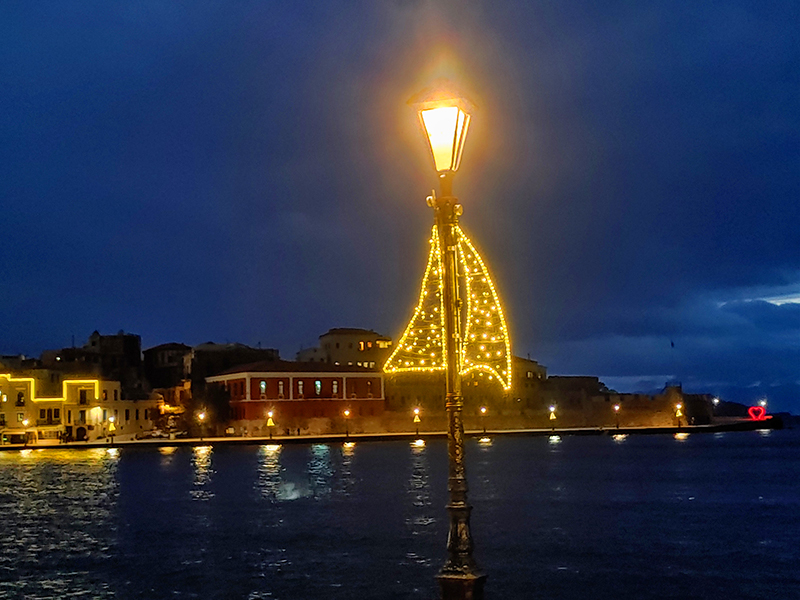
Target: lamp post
417, 419
202, 418
25, 425
111, 428
616, 414
483, 418
444, 116
270, 422
347, 423
679, 413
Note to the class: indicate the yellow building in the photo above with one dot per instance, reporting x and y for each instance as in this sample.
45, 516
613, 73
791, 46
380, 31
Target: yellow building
42, 408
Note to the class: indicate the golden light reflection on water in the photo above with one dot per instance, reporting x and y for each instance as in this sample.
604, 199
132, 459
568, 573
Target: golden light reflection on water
682, 436
320, 470
203, 472
268, 480
619, 437
419, 491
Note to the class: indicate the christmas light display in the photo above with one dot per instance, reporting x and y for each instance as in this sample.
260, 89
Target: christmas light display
485, 344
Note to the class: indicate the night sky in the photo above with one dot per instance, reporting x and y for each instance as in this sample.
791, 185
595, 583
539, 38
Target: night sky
251, 172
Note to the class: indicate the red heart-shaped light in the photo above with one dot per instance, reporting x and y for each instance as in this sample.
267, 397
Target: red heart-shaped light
757, 413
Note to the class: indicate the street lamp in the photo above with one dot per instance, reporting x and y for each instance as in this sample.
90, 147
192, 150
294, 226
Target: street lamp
444, 116
616, 414
270, 422
25, 425
679, 413
347, 423
417, 419
202, 418
483, 418
111, 428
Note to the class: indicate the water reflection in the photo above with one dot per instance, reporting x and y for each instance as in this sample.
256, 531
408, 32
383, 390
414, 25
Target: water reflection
682, 437
419, 493
619, 437
320, 471
203, 472
59, 504
268, 480
346, 481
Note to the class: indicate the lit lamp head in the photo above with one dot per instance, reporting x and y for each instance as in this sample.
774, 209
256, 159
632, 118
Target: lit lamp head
416, 411
444, 115
552, 408
483, 410
270, 414
616, 408
202, 416
346, 412
763, 403
25, 422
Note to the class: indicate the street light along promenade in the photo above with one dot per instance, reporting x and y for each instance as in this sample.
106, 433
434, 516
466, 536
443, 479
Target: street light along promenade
444, 116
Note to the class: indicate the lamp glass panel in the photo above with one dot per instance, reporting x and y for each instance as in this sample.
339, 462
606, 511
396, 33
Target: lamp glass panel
441, 126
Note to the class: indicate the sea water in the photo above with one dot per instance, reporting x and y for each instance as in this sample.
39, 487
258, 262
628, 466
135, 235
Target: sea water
600, 517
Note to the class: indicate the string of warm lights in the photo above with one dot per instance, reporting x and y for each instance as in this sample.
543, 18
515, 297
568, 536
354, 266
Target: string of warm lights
485, 347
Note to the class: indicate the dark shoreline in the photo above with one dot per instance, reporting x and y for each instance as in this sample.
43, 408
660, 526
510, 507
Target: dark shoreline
391, 437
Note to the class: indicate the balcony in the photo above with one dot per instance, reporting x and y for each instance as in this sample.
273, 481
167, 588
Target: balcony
44, 422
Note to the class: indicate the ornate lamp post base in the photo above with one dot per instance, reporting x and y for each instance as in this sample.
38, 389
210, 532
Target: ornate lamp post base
467, 586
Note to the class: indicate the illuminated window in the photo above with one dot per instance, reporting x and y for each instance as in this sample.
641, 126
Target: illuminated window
263, 386
335, 387
361, 346
300, 387
105, 415
280, 388
318, 386
20, 417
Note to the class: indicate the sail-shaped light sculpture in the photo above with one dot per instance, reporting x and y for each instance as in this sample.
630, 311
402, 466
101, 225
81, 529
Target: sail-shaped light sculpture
485, 343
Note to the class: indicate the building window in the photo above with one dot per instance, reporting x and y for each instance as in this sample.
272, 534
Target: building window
82, 417
82, 396
369, 389
42, 414
263, 386
300, 387
335, 387
105, 395
2, 419
57, 413
20, 398
20, 417
337, 345
105, 415
280, 389
69, 416
318, 386
145, 414
361, 346
116, 395
137, 414
127, 414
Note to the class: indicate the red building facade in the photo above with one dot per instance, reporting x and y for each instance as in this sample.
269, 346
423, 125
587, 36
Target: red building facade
297, 391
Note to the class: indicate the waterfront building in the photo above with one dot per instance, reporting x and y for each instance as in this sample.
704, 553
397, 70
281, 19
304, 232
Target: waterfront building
42, 407
350, 347
298, 394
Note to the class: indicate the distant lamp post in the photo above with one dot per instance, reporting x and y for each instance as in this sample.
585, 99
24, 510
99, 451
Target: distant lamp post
444, 116
112, 428
763, 403
616, 414
553, 415
347, 423
417, 419
270, 422
483, 418
679, 413
201, 416
25, 425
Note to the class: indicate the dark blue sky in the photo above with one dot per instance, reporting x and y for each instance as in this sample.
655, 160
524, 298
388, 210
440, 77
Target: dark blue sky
249, 171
